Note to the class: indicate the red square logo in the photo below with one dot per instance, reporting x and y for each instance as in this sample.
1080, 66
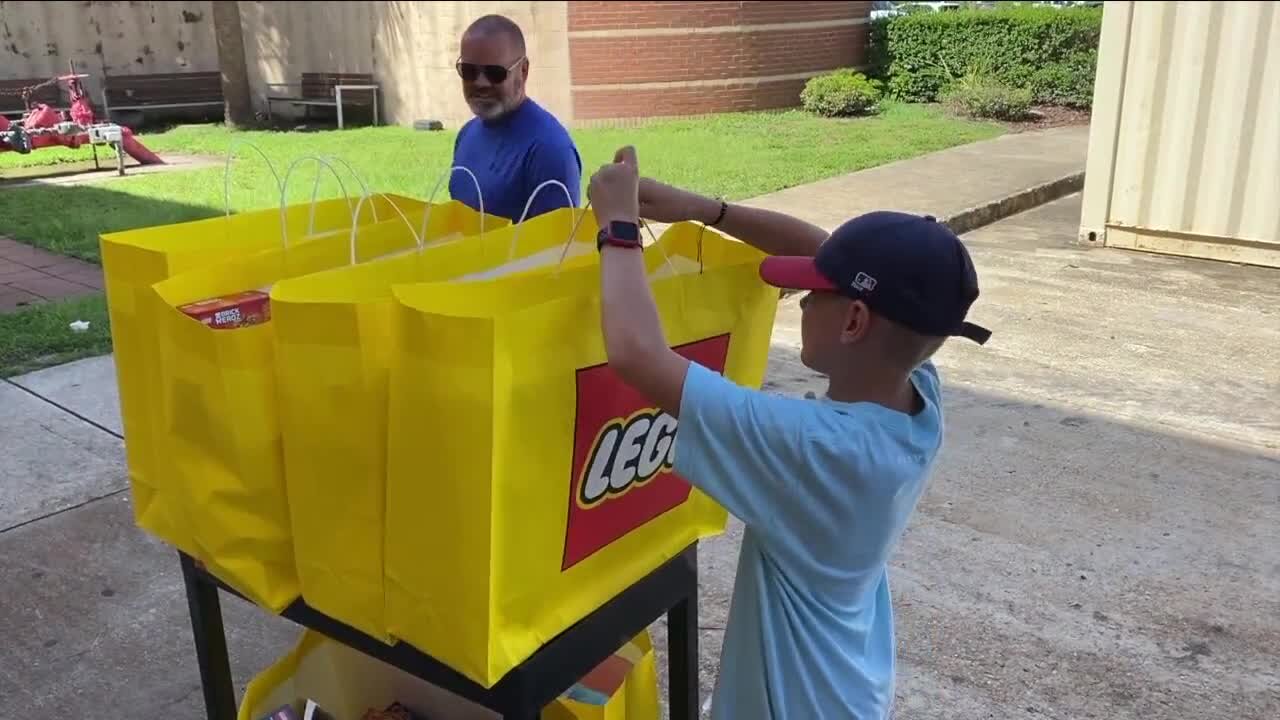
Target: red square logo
623, 450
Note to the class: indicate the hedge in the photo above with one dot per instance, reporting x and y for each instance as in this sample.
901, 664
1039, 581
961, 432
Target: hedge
1051, 52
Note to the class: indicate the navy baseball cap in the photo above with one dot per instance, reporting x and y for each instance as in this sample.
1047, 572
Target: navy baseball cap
909, 268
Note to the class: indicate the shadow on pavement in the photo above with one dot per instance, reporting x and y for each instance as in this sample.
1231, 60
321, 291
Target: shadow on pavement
1060, 564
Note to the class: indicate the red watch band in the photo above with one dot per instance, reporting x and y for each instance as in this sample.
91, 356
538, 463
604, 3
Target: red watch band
606, 237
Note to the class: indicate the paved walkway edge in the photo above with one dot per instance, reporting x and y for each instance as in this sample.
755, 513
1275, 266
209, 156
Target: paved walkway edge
975, 217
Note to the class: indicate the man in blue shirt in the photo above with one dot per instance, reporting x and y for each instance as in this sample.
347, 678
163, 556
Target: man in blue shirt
825, 487
512, 145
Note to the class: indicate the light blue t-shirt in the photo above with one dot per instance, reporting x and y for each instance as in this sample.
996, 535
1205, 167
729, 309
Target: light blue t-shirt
825, 490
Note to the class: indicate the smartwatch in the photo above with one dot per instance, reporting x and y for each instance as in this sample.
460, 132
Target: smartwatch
619, 234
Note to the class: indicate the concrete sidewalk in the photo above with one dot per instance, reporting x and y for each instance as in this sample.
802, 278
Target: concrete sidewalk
967, 186
1070, 559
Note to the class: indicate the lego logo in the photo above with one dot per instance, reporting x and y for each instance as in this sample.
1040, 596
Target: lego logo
628, 453
621, 474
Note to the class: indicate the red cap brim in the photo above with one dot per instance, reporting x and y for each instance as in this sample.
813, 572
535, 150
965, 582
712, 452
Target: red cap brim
794, 273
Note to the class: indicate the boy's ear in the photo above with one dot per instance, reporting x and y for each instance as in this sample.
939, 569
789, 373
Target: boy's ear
857, 323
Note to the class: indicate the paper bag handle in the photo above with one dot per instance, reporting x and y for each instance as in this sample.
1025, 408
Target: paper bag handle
511, 251
355, 227
364, 188
226, 177
431, 198
564, 252
315, 189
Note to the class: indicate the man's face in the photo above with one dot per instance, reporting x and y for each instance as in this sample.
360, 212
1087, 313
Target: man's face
484, 59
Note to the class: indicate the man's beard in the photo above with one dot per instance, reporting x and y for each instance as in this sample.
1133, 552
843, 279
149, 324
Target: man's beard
488, 108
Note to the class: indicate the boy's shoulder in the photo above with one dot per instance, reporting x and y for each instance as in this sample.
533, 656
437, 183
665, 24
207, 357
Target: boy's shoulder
927, 373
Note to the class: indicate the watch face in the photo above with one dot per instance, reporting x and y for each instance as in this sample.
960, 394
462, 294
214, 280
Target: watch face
625, 231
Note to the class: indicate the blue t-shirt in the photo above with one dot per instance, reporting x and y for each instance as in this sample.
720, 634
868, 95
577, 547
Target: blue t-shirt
511, 157
825, 490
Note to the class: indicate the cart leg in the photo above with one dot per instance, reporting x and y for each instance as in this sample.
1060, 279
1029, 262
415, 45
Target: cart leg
682, 651
337, 95
211, 644
96, 166
119, 158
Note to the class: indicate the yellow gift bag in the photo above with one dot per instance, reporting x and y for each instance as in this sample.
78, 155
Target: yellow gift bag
335, 340
132, 261
623, 687
346, 683
221, 432
505, 524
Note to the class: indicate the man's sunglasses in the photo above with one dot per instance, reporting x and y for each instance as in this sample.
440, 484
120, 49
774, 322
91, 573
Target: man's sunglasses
495, 74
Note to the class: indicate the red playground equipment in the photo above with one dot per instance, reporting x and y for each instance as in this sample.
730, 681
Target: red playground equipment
42, 126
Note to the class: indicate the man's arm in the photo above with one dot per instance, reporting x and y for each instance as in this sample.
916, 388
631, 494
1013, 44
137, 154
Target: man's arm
773, 233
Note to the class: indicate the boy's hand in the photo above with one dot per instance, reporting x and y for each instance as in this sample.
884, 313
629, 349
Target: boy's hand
615, 189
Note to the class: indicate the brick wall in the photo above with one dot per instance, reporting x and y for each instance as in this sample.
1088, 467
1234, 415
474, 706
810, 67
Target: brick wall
649, 59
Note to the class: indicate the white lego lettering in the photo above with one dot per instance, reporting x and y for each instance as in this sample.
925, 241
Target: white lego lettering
624, 463
596, 483
629, 454
658, 446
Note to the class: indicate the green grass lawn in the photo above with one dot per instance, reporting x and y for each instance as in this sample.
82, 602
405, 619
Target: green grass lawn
40, 336
736, 156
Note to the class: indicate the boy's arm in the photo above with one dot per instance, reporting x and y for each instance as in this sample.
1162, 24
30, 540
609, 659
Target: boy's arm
773, 233
723, 426
633, 340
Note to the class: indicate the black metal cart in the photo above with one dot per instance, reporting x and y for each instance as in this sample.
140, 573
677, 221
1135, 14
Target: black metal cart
672, 590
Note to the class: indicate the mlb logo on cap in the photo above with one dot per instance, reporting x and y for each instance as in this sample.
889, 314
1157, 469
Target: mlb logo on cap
864, 282
909, 268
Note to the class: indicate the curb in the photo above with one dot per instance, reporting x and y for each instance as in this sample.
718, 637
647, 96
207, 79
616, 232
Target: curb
1021, 201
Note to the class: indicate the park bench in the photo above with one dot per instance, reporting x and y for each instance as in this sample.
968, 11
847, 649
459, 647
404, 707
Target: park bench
334, 90
160, 91
11, 95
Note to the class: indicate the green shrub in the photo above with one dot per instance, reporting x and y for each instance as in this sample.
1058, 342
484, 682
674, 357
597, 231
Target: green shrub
1068, 83
984, 96
1051, 52
841, 93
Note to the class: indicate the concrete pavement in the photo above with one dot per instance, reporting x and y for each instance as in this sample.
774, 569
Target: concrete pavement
1095, 542
51, 460
1099, 538
970, 185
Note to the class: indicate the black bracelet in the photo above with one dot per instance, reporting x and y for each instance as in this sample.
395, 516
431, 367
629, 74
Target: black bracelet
724, 208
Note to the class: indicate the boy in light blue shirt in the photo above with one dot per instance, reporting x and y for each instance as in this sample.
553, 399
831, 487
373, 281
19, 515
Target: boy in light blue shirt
824, 487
